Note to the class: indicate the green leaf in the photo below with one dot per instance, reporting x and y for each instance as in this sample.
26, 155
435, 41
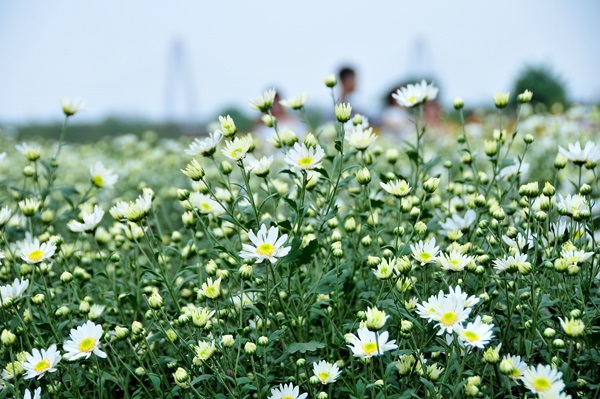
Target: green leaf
304, 347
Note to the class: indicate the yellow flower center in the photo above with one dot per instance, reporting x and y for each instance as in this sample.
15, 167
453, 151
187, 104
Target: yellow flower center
306, 161
541, 384
265, 249
97, 180
515, 373
36, 255
425, 256
449, 318
205, 206
287, 397
324, 375
42, 365
471, 336
454, 262
369, 347
87, 344
411, 99
237, 152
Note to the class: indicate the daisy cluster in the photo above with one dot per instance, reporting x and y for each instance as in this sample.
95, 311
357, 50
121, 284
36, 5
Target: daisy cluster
330, 261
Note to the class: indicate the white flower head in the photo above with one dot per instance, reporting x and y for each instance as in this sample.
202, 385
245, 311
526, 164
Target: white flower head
425, 252
398, 188
5, 215
85, 341
41, 362
265, 102
370, 343
295, 103
326, 372
204, 204
31, 251
581, 156
475, 334
90, 221
288, 391
205, 147
237, 148
260, 167
455, 261
542, 379
37, 394
10, 292
415, 94
301, 157
102, 177
267, 245
361, 138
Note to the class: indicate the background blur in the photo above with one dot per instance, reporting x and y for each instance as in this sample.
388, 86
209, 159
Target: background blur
188, 61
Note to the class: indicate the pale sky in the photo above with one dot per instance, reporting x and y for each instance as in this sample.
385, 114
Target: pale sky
114, 54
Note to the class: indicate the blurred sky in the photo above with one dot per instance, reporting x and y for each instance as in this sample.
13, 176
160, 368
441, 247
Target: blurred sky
116, 55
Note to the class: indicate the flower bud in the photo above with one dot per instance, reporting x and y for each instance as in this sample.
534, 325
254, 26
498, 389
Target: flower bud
330, 81
310, 140
363, 176
38, 299
585, 189
155, 301
226, 167
227, 341
121, 332
431, 184
458, 103
263, 341
181, 377
7, 338
528, 139
501, 100
524, 97
560, 161
250, 348
343, 112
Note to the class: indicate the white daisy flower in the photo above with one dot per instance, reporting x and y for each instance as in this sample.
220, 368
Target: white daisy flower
576, 256
455, 261
5, 215
475, 334
265, 102
369, 343
294, 102
37, 394
361, 138
514, 169
447, 310
415, 94
266, 245
541, 379
513, 366
237, 148
85, 341
579, 156
204, 204
31, 251
10, 292
385, 268
398, 188
510, 263
572, 205
133, 211
205, 349
41, 362
301, 157
90, 221
31, 152
260, 167
102, 177
425, 252
326, 372
205, 147
95, 311
457, 223
288, 391
228, 127
468, 301
211, 289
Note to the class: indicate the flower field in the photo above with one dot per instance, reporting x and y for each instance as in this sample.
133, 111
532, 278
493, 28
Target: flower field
328, 263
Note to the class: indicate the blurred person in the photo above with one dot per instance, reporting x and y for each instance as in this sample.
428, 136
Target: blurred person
347, 79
